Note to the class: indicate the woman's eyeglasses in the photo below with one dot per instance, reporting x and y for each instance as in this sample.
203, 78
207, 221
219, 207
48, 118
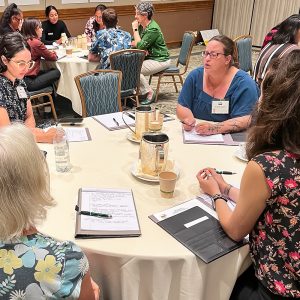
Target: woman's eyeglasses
18, 19
23, 64
212, 54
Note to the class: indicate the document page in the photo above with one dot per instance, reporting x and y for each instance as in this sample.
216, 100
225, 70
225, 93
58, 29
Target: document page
117, 203
77, 134
193, 136
114, 121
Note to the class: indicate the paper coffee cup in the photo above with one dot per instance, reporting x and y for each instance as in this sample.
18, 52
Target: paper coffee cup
167, 182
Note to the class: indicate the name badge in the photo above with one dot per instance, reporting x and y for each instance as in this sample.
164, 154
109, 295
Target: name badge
21, 92
220, 106
50, 33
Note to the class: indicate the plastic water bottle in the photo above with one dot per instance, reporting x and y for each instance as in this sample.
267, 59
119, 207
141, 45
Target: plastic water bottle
61, 148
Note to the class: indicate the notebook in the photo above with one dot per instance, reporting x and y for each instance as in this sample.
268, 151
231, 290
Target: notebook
117, 208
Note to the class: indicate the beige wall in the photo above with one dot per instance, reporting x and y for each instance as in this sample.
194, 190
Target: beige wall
174, 17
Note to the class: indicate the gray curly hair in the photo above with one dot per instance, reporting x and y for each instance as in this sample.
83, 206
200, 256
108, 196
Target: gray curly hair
145, 8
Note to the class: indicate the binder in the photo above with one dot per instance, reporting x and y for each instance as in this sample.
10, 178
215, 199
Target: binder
117, 203
196, 226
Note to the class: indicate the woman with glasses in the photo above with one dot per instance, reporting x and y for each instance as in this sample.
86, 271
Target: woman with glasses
15, 61
95, 23
34, 265
218, 91
11, 19
53, 27
148, 36
36, 78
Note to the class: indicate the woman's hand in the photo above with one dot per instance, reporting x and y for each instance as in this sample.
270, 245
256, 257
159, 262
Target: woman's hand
206, 128
208, 182
189, 123
219, 178
135, 25
59, 41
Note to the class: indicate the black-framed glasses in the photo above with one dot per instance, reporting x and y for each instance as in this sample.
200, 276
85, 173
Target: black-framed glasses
23, 64
212, 54
18, 19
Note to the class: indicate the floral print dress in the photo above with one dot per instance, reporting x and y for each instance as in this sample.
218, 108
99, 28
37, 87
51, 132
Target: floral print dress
275, 239
38, 267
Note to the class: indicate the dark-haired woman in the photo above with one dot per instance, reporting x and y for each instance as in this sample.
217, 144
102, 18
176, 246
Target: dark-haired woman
35, 78
11, 19
284, 41
218, 92
268, 203
95, 23
15, 61
53, 27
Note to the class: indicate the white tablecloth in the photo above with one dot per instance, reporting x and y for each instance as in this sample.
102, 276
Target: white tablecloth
153, 266
70, 67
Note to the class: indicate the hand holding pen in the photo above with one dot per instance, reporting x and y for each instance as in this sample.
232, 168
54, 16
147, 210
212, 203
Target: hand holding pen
188, 123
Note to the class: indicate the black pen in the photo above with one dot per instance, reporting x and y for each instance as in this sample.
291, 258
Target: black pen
117, 123
225, 172
92, 214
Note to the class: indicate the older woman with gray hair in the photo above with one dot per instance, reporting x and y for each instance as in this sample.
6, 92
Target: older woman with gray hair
33, 265
148, 36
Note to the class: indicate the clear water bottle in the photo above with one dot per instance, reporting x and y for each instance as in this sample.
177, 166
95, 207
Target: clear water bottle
61, 148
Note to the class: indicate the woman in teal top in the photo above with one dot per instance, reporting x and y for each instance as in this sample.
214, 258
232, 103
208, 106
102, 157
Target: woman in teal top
218, 92
33, 265
148, 36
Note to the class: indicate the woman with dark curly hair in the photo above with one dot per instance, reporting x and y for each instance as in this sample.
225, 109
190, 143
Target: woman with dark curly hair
268, 203
11, 19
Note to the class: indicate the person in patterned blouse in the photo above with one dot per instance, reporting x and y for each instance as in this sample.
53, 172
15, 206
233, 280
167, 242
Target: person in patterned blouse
15, 105
148, 36
95, 23
268, 203
109, 40
34, 265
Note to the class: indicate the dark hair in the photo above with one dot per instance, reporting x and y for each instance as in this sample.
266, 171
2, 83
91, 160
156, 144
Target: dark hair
100, 7
145, 8
9, 12
10, 45
110, 18
229, 48
277, 123
29, 28
48, 9
287, 30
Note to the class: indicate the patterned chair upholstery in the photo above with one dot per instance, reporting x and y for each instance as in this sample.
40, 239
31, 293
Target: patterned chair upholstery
99, 92
129, 62
181, 66
244, 49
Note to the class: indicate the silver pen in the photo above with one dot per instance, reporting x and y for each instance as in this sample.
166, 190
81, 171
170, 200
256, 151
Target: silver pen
117, 123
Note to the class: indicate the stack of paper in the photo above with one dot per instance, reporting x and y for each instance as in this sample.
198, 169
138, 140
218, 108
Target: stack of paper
114, 121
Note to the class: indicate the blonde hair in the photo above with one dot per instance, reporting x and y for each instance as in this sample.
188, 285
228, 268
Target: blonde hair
24, 182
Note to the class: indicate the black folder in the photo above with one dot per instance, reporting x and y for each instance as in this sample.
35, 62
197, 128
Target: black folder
206, 239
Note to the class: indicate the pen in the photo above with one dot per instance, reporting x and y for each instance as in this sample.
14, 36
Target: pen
92, 214
187, 124
116, 122
225, 172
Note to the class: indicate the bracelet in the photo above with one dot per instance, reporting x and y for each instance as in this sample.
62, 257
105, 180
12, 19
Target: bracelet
227, 189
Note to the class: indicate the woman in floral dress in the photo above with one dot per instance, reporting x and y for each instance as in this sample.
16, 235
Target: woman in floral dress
268, 206
33, 265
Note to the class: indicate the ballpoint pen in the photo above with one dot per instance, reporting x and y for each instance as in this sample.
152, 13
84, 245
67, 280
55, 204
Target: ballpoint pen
92, 214
117, 123
225, 172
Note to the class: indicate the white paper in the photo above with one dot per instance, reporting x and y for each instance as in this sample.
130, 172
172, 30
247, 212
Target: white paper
107, 120
76, 134
118, 203
24, 2
1, 2
208, 34
194, 136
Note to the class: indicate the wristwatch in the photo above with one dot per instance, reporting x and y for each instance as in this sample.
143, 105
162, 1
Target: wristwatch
216, 197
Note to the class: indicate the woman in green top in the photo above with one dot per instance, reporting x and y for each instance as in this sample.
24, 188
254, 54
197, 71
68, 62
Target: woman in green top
148, 36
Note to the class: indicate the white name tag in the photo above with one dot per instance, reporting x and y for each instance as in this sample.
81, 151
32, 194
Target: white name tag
50, 33
21, 92
220, 107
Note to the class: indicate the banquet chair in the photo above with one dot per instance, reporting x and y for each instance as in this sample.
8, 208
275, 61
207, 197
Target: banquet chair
244, 50
99, 92
181, 66
129, 62
45, 92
